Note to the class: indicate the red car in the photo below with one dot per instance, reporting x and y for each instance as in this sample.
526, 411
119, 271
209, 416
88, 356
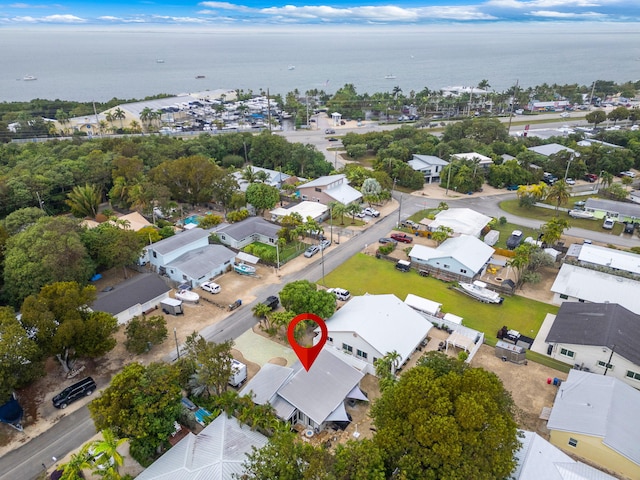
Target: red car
591, 177
402, 237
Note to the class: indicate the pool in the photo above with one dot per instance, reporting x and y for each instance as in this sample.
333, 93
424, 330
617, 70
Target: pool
195, 219
201, 414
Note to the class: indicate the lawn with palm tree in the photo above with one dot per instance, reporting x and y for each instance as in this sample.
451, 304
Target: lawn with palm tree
365, 274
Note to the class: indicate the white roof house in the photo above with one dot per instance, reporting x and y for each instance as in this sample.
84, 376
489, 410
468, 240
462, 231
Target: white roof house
315, 210
370, 326
538, 459
482, 160
610, 257
575, 283
551, 149
600, 414
329, 188
312, 397
464, 255
216, 453
464, 221
274, 178
429, 165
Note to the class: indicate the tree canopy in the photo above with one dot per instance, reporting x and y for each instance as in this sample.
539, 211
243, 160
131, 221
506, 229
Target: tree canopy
446, 423
302, 296
262, 196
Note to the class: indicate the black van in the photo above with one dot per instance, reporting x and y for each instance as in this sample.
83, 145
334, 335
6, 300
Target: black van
76, 391
403, 265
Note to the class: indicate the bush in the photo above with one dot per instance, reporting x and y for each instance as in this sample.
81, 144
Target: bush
237, 215
144, 332
503, 220
143, 452
386, 249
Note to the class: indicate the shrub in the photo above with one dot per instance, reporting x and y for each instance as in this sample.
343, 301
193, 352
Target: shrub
386, 249
237, 215
503, 220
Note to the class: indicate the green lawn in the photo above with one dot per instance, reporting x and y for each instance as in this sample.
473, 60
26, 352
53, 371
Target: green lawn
365, 274
545, 214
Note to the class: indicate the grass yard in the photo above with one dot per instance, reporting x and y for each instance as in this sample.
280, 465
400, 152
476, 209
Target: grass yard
545, 214
365, 274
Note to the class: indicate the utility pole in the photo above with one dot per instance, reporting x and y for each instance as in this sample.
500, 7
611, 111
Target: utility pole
40, 202
175, 335
399, 208
606, 369
269, 109
513, 101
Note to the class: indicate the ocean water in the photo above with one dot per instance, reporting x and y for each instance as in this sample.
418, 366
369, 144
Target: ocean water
75, 63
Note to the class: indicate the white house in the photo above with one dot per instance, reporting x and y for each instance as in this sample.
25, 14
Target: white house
161, 253
597, 417
370, 326
463, 221
552, 149
540, 460
249, 230
483, 161
429, 165
579, 284
216, 453
611, 258
200, 265
464, 255
313, 398
620, 211
132, 297
598, 337
274, 178
317, 211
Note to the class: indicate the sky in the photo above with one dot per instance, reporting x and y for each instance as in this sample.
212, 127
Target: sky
315, 12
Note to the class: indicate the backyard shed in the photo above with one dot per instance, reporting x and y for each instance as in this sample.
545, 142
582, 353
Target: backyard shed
511, 353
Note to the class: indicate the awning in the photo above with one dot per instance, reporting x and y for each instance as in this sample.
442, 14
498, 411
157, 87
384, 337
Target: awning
498, 262
357, 394
338, 415
246, 258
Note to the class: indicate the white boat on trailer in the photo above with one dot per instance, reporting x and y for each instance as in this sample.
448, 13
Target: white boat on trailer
479, 291
244, 269
187, 296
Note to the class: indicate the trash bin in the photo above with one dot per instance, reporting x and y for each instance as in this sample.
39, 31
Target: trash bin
556, 381
548, 381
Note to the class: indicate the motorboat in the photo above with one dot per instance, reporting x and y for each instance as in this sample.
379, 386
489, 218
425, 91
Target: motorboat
159, 60
581, 214
244, 269
390, 76
199, 77
187, 296
479, 291
291, 67
29, 78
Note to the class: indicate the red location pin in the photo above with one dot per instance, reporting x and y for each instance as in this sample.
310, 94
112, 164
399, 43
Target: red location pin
307, 355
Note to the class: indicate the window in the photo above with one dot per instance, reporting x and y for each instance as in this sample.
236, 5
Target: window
462, 270
304, 197
563, 296
573, 442
361, 354
633, 375
446, 266
347, 348
318, 189
567, 353
330, 339
605, 365
154, 254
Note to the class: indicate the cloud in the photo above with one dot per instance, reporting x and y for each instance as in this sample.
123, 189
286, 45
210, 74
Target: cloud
49, 19
519, 4
226, 6
561, 15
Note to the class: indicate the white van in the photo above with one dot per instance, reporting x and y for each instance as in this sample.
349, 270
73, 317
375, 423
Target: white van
340, 293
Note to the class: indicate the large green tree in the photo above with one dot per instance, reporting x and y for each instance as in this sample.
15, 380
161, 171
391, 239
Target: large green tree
111, 246
262, 196
456, 425
21, 219
63, 324
141, 403
48, 251
302, 296
211, 364
20, 357
189, 179
144, 332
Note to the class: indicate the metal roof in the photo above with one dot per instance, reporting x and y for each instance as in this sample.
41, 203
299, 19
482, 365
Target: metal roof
216, 453
201, 261
178, 240
324, 181
137, 290
599, 406
610, 257
551, 149
318, 392
384, 321
598, 324
466, 249
428, 160
622, 208
265, 384
461, 220
597, 287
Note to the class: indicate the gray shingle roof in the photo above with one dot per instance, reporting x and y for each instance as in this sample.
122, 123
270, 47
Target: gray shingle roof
599, 324
250, 226
136, 290
627, 209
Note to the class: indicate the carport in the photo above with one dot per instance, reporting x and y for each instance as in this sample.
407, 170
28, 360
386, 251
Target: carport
246, 258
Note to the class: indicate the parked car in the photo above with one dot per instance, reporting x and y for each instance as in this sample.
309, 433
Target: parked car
628, 173
591, 177
372, 212
311, 251
402, 237
608, 223
570, 181
340, 293
329, 131
403, 265
332, 139
324, 244
83, 388
384, 240
272, 302
210, 287
513, 187
629, 227
409, 224
361, 214
514, 239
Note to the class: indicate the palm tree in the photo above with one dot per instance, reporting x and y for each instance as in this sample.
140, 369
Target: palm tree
72, 470
84, 201
607, 179
559, 193
135, 126
353, 209
249, 174
109, 116
338, 210
103, 126
110, 459
146, 116
553, 230
119, 114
